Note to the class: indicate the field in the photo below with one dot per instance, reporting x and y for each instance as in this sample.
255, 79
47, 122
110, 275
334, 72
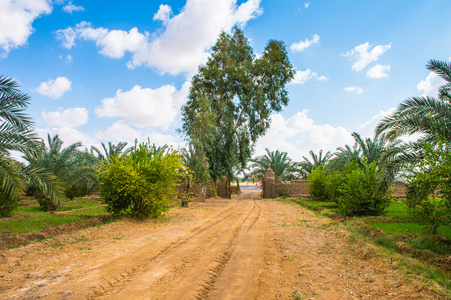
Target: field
31, 223
242, 248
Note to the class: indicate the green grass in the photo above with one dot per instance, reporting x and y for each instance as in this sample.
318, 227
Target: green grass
91, 211
36, 224
408, 228
31, 208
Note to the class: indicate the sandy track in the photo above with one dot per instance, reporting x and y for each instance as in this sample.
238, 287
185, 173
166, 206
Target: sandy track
238, 249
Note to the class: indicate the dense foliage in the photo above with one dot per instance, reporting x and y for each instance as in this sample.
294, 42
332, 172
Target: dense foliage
362, 191
16, 134
234, 94
429, 197
74, 169
141, 183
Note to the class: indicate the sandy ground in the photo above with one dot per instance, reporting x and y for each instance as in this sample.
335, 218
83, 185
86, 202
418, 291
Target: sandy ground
244, 248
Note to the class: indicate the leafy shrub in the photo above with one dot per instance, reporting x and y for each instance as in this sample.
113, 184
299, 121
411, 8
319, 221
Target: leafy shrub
141, 183
318, 185
324, 186
362, 191
284, 193
434, 175
7, 204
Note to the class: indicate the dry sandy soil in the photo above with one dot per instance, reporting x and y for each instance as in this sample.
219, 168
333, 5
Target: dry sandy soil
243, 248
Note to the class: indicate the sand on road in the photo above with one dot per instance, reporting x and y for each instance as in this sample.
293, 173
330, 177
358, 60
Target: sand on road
242, 248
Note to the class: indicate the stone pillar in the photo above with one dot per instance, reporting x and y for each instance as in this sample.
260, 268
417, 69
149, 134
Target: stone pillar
269, 184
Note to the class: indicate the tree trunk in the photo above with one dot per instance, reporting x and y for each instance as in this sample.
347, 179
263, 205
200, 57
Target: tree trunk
202, 193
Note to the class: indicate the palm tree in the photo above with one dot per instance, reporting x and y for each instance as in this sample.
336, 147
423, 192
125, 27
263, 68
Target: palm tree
73, 167
16, 134
283, 166
317, 160
427, 116
110, 151
389, 155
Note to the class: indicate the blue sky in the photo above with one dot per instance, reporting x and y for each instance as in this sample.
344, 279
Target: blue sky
100, 71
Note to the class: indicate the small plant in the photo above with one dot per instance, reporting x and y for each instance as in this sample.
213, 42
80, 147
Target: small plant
284, 193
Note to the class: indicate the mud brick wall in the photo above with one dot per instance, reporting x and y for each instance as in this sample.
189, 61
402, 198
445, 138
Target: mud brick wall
295, 188
223, 188
398, 189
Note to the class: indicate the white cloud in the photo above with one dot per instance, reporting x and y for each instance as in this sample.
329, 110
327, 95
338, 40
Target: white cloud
69, 58
67, 37
68, 135
429, 86
301, 77
121, 132
356, 89
163, 13
70, 8
145, 107
306, 5
55, 88
183, 44
16, 18
302, 45
367, 129
364, 56
71, 117
299, 134
378, 71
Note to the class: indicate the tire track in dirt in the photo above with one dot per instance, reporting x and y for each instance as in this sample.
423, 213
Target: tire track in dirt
117, 272
181, 272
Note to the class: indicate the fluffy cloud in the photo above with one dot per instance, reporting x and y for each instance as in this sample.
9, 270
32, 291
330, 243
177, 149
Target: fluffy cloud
163, 13
367, 129
301, 46
68, 135
378, 71
145, 107
429, 86
16, 18
301, 77
121, 132
70, 8
306, 5
181, 46
55, 88
299, 134
355, 89
364, 56
71, 117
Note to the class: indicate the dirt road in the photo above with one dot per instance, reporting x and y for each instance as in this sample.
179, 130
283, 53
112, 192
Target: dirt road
244, 248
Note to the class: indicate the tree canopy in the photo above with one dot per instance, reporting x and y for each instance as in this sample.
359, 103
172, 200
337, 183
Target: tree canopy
234, 94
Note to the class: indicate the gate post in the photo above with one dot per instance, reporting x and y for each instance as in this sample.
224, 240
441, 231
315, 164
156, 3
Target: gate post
269, 183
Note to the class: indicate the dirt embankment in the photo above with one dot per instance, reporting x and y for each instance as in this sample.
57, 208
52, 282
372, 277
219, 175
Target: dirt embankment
224, 249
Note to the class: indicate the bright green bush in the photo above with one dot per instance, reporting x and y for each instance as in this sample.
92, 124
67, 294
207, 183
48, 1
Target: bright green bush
434, 175
362, 191
318, 184
324, 185
141, 183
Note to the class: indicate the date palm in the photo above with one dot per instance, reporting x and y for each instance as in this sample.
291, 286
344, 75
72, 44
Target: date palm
317, 160
110, 151
283, 166
16, 134
426, 116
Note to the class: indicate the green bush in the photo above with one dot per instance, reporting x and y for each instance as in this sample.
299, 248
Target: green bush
284, 193
141, 183
433, 175
324, 186
318, 184
7, 204
362, 191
